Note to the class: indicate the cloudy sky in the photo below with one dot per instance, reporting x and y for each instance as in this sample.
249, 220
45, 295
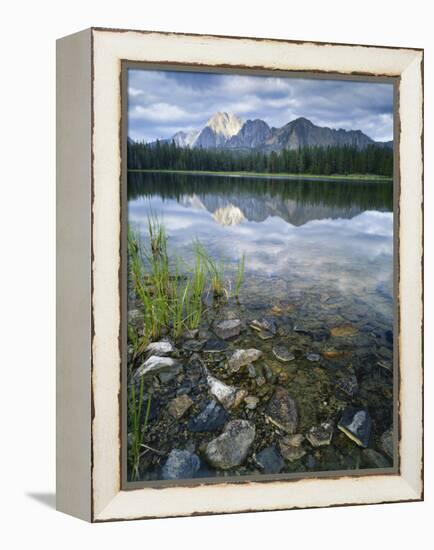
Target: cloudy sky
162, 103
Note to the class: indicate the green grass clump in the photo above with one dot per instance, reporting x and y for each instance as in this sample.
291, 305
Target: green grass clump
215, 270
137, 429
172, 299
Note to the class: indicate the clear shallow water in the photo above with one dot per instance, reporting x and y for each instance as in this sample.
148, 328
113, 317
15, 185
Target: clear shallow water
319, 257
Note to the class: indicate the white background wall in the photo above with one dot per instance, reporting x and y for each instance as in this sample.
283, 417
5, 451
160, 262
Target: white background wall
27, 218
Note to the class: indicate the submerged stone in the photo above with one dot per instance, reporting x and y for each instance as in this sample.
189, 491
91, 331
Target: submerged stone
319, 436
180, 464
156, 365
356, 424
210, 419
348, 385
291, 447
270, 460
230, 449
336, 354
344, 331
282, 410
283, 354
228, 396
251, 370
264, 325
243, 357
214, 345
193, 346
178, 406
161, 348
313, 357
166, 376
228, 329
374, 459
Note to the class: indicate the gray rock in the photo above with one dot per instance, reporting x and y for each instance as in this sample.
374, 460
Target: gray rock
213, 345
228, 329
243, 357
229, 396
373, 459
319, 436
210, 419
386, 442
251, 370
269, 460
193, 346
155, 365
313, 357
283, 354
230, 449
166, 376
179, 406
264, 325
268, 373
348, 385
282, 411
291, 447
161, 348
356, 424
180, 464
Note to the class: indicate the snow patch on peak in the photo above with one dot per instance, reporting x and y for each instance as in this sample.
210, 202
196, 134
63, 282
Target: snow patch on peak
225, 124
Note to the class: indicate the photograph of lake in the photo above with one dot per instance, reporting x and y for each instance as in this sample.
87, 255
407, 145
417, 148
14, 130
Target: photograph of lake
260, 275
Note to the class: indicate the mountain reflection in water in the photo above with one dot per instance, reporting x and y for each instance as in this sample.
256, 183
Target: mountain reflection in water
316, 235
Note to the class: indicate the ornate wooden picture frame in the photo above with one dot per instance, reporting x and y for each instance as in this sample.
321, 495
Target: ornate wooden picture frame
91, 272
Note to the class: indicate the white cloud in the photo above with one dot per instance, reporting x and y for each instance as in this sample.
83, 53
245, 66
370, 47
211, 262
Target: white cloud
160, 112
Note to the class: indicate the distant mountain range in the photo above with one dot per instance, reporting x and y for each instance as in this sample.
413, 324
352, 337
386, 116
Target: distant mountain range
227, 131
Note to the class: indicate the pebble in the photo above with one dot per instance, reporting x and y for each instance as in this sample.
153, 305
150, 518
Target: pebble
230, 449
282, 410
179, 406
356, 424
210, 419
180, 464
228, 329
243, 357
291, 447
319, 436
270, 460
283, 354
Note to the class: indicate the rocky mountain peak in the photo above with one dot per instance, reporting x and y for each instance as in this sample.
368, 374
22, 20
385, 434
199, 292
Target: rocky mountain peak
225, 124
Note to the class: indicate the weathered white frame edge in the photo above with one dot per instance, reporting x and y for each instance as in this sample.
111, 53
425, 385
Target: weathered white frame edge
106, 500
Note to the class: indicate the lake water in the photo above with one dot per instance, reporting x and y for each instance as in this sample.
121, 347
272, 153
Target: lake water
315, 236
319, 253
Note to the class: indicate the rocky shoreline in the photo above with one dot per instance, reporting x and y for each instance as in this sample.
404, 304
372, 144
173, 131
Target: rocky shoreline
295, 385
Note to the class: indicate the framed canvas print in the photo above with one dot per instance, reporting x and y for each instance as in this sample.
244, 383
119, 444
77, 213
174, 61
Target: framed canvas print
239, 246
